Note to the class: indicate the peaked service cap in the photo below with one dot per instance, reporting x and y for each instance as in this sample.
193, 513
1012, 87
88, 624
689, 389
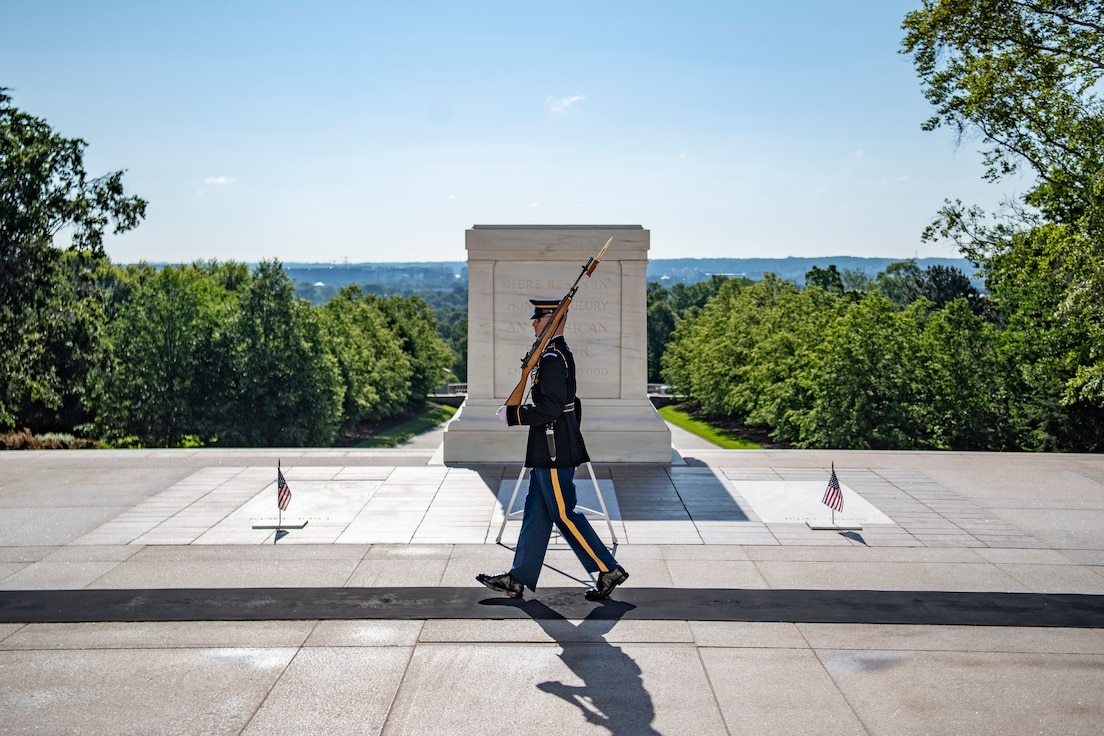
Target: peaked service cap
542, 307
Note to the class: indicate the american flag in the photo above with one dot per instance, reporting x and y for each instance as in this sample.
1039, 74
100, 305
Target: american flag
833, 496
283, 493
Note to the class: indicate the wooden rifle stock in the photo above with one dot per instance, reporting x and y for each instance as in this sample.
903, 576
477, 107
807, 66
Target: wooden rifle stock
529, 362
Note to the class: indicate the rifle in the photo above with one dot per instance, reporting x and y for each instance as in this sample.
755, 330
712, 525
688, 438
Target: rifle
529, 362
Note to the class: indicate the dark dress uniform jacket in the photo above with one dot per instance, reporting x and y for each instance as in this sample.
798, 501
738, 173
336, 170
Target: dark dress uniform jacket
554, 402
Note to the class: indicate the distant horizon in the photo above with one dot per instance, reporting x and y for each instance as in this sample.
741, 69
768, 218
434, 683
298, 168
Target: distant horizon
438, 275
464, 262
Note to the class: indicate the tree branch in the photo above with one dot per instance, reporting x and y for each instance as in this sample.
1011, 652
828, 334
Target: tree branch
1067, 19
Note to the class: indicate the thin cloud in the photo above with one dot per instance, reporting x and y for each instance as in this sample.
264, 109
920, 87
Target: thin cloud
563, 104
218, 180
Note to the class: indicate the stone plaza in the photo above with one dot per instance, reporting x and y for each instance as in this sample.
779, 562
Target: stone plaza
137, 596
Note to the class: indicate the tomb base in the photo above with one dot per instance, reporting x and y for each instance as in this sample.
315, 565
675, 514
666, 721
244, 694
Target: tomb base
615, 431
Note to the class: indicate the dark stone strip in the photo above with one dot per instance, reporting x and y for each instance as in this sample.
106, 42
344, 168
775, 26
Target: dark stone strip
655, 604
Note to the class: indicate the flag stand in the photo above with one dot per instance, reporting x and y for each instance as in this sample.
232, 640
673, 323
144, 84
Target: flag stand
833, 526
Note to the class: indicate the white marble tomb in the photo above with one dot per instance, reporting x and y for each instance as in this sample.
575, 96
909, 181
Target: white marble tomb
606, 330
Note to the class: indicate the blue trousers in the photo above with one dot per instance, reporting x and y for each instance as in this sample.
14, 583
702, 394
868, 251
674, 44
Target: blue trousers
551, 500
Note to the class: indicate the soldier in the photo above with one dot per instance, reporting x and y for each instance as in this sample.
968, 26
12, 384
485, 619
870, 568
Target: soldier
554, 450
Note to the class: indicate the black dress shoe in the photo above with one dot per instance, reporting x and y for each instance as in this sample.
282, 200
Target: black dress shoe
504, 583
607, 581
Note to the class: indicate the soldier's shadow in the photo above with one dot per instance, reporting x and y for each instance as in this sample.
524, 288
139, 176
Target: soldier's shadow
612, 694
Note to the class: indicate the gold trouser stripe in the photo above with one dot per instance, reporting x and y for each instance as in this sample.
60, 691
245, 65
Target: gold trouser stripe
562, 507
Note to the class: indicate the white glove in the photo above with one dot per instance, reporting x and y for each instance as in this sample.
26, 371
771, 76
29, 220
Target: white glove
500, 415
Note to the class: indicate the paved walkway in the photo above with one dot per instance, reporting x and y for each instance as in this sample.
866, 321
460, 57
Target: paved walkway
141, 593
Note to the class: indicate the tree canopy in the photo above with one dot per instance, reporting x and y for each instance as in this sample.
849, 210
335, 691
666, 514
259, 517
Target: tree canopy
45, 191
1024, 78
1022, 75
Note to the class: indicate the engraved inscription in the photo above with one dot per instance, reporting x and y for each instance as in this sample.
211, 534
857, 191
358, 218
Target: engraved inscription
593, 326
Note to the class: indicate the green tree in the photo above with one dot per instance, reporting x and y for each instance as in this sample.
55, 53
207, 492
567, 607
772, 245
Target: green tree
963, 398
855, 281
1041, 349
774, 393
863, 380
45, 190
744, 353
661, 323
901, 282
287, 385
942, 285
376, 373
686, 297
416, 325
668, 307
735, 354
706, 351
830, 279
67, 335
1025, 78
453, 327
451, 311
167, 380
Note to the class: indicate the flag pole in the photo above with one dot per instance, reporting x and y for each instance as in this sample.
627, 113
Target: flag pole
833, 484
283, 496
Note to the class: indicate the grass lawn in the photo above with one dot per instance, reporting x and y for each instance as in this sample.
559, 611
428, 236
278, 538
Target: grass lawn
724, 438
392, 436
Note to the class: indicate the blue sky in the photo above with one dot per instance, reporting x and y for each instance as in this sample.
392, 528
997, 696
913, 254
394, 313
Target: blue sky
367, 131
